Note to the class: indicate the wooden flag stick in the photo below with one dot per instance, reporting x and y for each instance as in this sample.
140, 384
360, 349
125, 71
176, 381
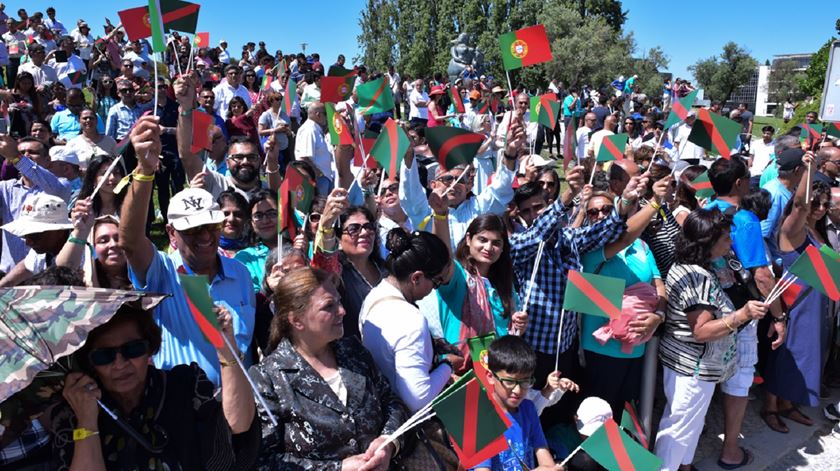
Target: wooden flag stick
572, 454
559, 338
781, 290
782, 280
405, 428
251, 382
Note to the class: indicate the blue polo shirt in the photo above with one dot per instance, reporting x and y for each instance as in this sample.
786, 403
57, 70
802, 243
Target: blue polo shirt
747, 242
182, 340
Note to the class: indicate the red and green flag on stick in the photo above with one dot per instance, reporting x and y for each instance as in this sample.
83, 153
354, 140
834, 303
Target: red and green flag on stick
592, 294
545, 108
570, 143
390, 147
680, 109
289, 96
296, 193
832, 129
790, 294
457, 101
197, 295
702, 186
478, 354
339, 131
156, 23
524, 47
453, 146
630, 423
201, 40
336, 88
616, 451
818, 270
368, 139
375, 96
715, 133
202, 131
811, 133
612, 147
339, 71
474, 423
266, 82
175, 15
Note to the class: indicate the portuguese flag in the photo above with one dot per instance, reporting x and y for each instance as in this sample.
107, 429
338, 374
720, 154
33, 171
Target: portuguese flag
702, 186
592, 294
615, 450
453, 146
339, 132
818, 270
296, 193
201, 39
177, 15
202, 131
680, 109
570, 143
289, 96
478, 354
612, 147
375, 96
457, 101
524, 47
390, 147
630, 423
197, 294
715, 133
266, 81
475, 424
335, 89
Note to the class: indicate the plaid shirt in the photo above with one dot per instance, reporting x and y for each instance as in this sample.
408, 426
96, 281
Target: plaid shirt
562, 251
29, 440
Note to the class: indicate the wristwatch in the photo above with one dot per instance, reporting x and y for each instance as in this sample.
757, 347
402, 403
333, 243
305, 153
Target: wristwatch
781, 319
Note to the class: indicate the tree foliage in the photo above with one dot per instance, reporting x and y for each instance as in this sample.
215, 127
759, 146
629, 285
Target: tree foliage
813, 81
784, 82
720, 75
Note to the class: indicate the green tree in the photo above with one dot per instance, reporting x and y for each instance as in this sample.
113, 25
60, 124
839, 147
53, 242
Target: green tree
784, 82
648, 69
609, 10
721, 75
377, 23
813, 81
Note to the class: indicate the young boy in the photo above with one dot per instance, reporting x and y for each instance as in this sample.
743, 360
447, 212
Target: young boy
510, 372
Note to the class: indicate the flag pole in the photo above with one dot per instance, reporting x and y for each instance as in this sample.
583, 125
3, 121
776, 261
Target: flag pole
559, 338
251, 383
466, 170
534, 270
808, 185
105, 176
572, 454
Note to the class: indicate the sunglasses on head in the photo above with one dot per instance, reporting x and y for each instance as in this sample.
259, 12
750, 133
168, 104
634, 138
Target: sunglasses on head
128, 350
355, 229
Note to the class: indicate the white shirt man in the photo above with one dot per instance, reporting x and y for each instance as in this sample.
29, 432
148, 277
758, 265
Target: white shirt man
15, 43
418, 111
685, 149
140, 60
42, 74
310, 143
225, 92
760, 152
63, 69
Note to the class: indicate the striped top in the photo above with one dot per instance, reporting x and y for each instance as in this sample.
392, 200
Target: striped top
690, 287
661, 236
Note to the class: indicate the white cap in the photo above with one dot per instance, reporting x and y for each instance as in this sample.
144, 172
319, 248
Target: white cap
222, 41
535, 160
63, 154
193, 207
40, 213
592, 414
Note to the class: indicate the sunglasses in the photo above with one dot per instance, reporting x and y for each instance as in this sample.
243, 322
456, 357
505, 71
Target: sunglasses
243, 157
393, 188
594, 212
510, 384
126, 90
194, 231
129, 351
355, 229
820, 204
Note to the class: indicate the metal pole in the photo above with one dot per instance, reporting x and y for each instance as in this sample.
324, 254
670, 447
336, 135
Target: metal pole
649, 386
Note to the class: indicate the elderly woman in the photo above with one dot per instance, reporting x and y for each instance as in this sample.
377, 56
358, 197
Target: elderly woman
333, 405
698, 348
175, 411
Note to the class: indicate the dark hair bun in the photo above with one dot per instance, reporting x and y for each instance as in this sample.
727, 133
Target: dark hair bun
398, 241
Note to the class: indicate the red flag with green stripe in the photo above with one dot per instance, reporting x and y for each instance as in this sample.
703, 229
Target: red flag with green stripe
597, 295
474, 423
296, 192
545, 108
457, 101
524, 47
630, 423
680, 109
339, 132
832, 129
715, 133
375, 96
197, 294
570, 143
390, 147
616, 451
702, 186
335, 89
289, 96
453, 146
612, 147
818, 270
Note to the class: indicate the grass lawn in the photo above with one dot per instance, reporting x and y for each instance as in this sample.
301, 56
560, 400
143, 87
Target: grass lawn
761, 121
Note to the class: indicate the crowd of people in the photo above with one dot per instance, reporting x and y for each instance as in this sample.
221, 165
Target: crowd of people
362, 318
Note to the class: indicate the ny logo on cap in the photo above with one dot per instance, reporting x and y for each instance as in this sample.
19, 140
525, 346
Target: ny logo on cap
194, 203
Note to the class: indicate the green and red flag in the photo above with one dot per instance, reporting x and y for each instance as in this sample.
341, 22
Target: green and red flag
340, 71
457, 101
818, 270
570, 143
156, 25
616, 451
197, 294
612, 147
630, 423
790, 294
335, 89
453, 146
715, 133
296, 193
702, 186
597, 295
474, 424
266, 81
811, 133
375, 96
201, 39
77, 77
832, 129
202, 131
482, 107
289, 96
545, 108
368, 139
176, 15
524, 47
680, 109
478, 347
339, 131
390, 147
832, 254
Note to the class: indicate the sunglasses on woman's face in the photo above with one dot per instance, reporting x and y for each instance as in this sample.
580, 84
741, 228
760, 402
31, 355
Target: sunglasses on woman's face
594, 212
355, 229
128, 350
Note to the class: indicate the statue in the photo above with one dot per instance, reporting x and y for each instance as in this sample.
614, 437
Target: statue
464, 55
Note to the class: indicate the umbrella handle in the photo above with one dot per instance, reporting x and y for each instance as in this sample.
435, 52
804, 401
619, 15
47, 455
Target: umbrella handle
130, 430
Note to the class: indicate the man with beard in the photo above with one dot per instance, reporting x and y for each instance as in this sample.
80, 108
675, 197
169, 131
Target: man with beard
243, 157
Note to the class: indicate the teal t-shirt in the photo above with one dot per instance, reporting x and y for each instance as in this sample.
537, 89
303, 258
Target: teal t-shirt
254, 260
635, 264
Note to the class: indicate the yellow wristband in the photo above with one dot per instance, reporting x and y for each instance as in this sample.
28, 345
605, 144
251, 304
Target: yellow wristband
655, 205
137, 176
82, 433
440, 217
328, 230
14, 161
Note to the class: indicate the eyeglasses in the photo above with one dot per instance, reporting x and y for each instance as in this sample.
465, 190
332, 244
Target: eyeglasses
126, 90
259, 216
437, 281
194, 231
129, 351
393, 188
820, 204
243, 157
510, 384
355, 229
594, 212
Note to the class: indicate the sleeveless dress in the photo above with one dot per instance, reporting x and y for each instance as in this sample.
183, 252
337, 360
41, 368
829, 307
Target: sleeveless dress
794, 370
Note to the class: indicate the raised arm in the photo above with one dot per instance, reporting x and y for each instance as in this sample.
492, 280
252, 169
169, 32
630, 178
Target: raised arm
73, 252
272, 164
794, 228
637, 223
237, 398
184, 87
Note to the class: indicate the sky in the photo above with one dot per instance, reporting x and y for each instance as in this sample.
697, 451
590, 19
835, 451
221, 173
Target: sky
695, 31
